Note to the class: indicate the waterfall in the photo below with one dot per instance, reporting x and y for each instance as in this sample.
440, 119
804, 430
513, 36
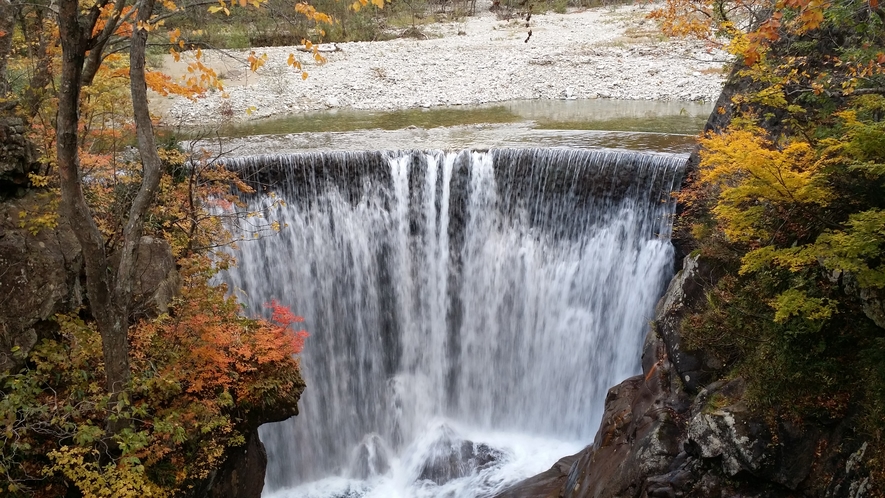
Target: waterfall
468, 311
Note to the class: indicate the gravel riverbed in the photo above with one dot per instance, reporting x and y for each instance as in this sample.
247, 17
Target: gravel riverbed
605, 52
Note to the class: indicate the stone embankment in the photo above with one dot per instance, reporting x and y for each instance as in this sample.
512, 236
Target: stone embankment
606, 52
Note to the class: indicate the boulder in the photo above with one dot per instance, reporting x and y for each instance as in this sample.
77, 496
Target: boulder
242, 473
18, 156
39, 276
873, 302
695, 368
371, 458
156, 277
450, 457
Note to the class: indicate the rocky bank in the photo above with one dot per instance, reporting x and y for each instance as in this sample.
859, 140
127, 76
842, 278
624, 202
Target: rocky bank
672, 432
41, 275
605, 52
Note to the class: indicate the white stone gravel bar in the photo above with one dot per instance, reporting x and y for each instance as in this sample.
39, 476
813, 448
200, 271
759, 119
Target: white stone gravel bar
606, 52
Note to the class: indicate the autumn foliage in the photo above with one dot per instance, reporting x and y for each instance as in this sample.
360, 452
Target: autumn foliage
209, 348
788, 202
202, 375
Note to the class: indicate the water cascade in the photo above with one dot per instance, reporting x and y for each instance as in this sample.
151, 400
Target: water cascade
467, 311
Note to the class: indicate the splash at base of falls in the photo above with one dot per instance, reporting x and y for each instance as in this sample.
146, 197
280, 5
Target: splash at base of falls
468, 311
487, 468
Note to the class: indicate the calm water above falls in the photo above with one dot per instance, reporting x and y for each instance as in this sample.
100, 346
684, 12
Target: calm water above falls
467, 311
599, 123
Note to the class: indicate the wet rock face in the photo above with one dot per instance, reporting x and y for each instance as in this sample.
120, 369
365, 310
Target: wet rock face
548, 484
640, 434
371, 458
452, 458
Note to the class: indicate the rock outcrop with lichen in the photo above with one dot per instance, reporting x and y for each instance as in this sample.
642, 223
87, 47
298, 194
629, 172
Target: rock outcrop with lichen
41, 272
18, 157
39, 277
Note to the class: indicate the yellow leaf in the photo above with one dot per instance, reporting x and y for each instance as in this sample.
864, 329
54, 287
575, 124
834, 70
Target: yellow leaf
303, 75
256, 62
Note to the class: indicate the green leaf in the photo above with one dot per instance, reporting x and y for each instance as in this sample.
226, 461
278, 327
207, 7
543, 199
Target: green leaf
795, 302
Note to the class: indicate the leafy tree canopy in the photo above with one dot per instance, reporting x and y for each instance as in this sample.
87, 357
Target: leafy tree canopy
790, 200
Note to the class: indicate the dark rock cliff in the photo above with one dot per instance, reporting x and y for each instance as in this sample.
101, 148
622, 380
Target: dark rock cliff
18, 157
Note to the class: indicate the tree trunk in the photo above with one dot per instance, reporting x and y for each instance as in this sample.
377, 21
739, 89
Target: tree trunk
96, 54
7, 23
110, 312
38, 52
109, 289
